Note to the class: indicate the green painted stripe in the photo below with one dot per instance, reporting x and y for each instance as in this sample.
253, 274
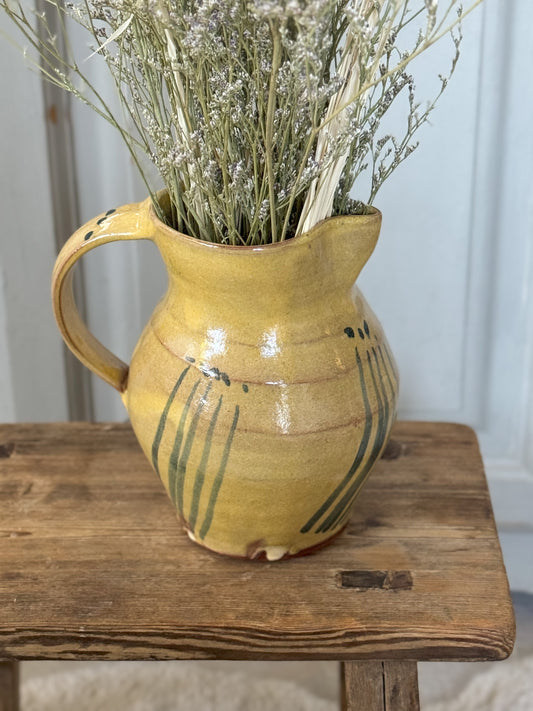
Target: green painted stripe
386, 405
391, 363
387, 414
381, 431
387, 373
219, 476
344, 518
163, 420
184, 456
200, 472
381, 437
358, 457
174, 455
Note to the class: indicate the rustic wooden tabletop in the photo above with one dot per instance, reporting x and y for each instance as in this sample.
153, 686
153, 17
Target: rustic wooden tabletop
93, 563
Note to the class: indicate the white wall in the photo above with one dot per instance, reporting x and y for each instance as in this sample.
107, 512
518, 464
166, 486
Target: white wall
32, 380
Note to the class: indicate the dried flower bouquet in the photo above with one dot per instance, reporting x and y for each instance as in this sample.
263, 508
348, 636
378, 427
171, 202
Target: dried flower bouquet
260, 116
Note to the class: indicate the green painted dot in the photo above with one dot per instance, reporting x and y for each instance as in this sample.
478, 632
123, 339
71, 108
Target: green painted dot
245, 387
88, 235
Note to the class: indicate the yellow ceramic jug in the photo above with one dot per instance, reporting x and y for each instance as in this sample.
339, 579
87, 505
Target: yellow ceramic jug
262, 389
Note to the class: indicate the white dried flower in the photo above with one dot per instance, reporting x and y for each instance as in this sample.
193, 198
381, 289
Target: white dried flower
247, 106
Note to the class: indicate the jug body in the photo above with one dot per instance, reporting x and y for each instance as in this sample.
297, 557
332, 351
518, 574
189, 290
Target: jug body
262, 390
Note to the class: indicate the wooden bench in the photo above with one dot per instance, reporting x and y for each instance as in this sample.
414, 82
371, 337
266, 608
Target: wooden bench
93, 565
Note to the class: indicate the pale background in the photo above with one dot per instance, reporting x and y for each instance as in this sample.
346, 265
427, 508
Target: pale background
451, 279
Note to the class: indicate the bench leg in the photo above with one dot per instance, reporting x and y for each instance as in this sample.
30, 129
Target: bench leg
9, 686
379, 686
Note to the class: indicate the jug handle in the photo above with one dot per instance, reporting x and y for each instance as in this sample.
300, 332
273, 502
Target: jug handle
128, 222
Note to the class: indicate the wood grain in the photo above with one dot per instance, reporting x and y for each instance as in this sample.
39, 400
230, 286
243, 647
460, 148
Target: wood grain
362, 686
401, 686
379, 686
93, 564
9, 686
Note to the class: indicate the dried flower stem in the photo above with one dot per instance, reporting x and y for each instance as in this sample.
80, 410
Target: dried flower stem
319, 200
269, 132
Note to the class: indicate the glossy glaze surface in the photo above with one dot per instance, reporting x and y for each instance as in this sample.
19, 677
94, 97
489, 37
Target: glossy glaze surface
262, 390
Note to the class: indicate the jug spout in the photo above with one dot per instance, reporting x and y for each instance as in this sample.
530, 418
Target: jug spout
347, 242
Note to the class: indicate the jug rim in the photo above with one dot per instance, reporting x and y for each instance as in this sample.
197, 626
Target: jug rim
373, 216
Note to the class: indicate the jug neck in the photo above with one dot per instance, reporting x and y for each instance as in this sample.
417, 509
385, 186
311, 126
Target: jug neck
329, 257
